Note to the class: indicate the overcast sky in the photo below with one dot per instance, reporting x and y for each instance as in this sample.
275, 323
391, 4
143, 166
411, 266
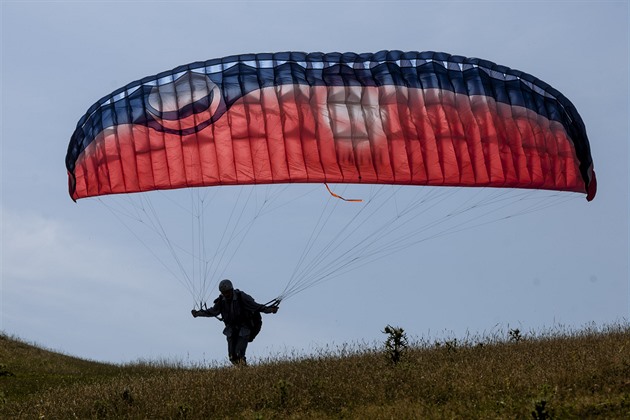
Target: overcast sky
74, 279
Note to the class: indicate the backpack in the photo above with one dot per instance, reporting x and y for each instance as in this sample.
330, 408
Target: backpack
255, 324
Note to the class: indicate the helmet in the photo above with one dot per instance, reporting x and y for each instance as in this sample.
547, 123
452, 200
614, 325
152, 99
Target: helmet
225, 285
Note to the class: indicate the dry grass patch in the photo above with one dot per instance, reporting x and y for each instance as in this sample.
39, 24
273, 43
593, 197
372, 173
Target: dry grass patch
580, 374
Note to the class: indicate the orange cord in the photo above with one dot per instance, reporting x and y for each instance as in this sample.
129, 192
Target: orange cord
352, 200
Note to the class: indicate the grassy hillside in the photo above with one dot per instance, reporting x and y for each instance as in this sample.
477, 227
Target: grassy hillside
583, 374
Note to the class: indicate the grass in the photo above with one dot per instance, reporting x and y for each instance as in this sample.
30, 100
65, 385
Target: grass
560, 374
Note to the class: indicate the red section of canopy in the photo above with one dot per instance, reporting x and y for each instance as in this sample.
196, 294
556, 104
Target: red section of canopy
294, 133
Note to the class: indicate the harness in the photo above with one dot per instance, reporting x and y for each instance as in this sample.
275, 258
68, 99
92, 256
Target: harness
244, 318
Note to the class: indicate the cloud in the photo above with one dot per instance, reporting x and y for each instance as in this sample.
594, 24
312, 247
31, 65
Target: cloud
47, 253
54, 275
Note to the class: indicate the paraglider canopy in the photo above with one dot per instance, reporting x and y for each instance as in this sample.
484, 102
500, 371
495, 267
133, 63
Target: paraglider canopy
392, 117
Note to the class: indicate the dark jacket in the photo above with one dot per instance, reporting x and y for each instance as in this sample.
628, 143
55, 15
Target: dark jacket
235, 312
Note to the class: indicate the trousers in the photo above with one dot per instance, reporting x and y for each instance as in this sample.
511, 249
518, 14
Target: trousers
237, 346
